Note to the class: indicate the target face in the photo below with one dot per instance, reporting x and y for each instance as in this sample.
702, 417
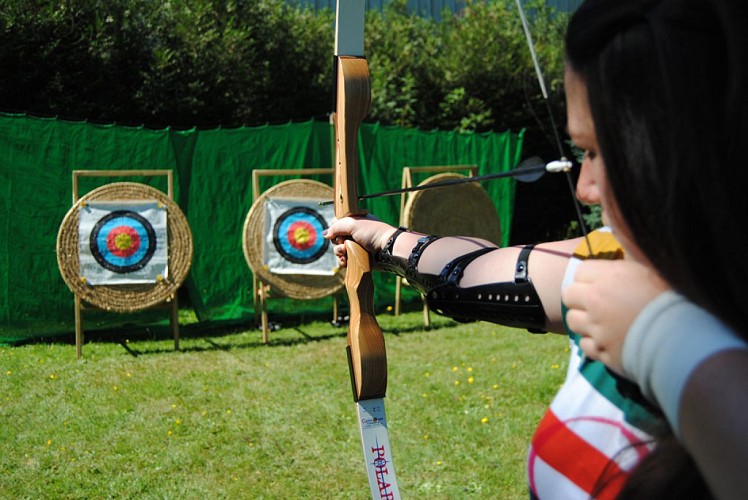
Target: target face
297, 235
123, 241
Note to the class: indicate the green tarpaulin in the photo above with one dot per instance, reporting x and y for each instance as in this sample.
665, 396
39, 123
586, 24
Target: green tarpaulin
212, 177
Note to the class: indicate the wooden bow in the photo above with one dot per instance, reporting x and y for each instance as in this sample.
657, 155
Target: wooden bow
365, 340
353, 97
367, 357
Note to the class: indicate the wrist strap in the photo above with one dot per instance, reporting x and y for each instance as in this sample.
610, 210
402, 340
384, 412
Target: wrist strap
669, 339
384, 259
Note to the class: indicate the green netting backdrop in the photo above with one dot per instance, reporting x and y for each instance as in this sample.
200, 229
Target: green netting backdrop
212, 182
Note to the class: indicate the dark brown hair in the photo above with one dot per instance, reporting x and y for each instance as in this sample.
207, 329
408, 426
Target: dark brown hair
666, 82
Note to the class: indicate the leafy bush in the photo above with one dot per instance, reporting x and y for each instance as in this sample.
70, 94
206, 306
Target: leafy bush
471, 71
218, 62
165, 63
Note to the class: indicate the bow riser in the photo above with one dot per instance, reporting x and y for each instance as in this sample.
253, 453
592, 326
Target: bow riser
365, 340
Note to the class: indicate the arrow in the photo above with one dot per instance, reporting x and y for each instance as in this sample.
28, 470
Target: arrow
529, 170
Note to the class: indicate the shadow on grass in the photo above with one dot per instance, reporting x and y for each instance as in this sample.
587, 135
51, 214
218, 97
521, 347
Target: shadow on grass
236, 344
236, 334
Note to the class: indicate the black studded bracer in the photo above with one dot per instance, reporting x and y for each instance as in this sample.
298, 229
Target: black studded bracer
512, 303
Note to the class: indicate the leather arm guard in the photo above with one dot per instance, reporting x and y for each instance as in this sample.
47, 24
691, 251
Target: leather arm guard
512, 303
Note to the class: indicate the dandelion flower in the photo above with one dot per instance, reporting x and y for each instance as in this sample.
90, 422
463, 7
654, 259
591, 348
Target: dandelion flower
470, 368
454, 368
484, 420
470, 380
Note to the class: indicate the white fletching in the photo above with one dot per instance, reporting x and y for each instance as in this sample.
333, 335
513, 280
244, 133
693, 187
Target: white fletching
558, 166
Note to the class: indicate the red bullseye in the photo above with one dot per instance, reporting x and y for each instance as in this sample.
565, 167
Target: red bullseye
301, 235
123, 241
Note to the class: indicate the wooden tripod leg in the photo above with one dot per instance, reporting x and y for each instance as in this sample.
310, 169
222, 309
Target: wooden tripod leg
263, 302
256, 284
426, 315
174, 320
398, 288
78, 327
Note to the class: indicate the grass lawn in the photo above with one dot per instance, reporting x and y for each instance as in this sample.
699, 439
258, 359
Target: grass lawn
230, 417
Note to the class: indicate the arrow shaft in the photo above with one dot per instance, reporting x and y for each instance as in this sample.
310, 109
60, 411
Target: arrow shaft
454, 182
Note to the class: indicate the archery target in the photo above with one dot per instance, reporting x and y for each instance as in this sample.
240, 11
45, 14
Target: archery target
122, 243
297, 235
295, 244
258, 246
433, 211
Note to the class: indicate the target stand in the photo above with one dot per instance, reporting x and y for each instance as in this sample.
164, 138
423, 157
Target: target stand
459, 210
124, 247
266, 283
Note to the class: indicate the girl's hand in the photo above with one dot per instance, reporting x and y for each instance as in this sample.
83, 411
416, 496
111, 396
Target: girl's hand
604, 299
369, 232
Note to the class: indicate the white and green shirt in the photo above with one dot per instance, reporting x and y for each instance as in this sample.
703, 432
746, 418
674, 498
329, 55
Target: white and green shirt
593, 435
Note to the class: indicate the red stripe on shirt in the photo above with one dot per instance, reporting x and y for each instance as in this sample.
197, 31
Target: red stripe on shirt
574, 458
